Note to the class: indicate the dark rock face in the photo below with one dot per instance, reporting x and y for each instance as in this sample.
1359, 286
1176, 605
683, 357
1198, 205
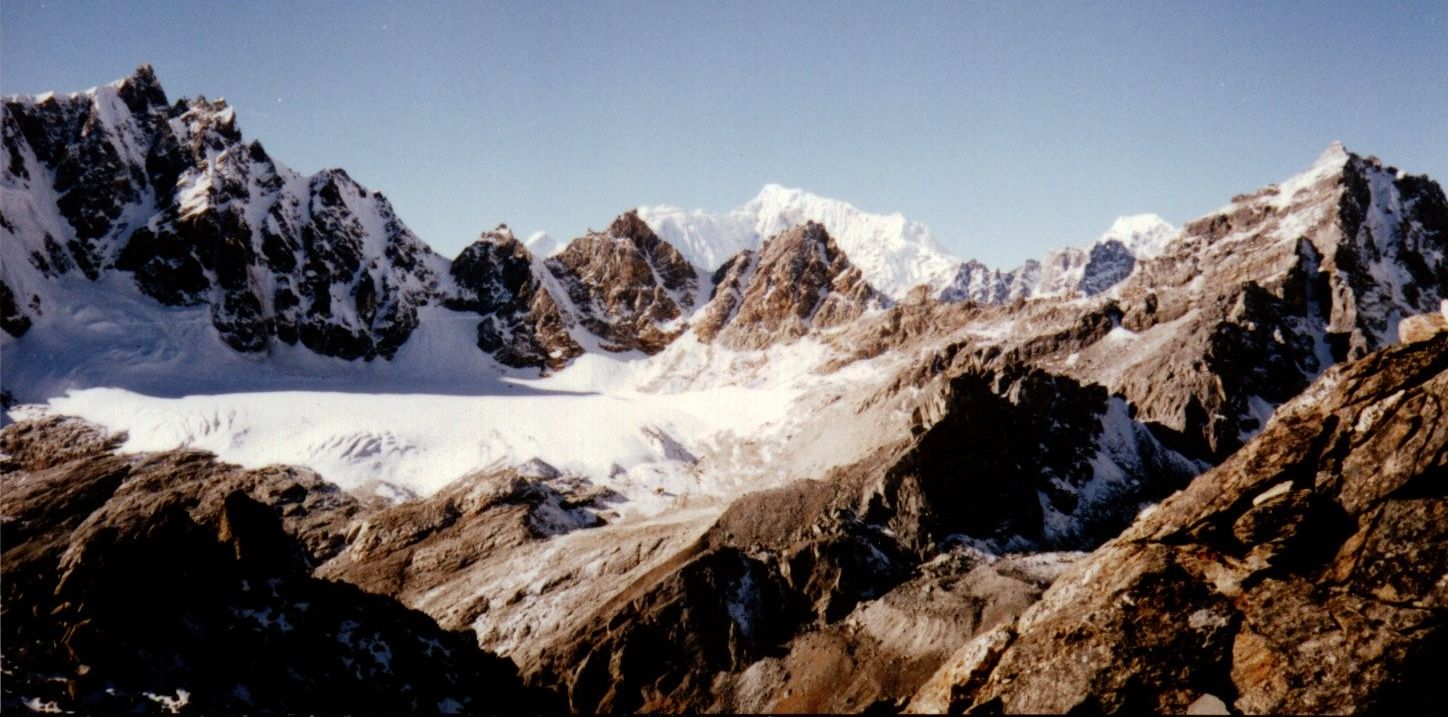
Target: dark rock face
172, 581
96, 173
1107, 264
627, 286
1303, 575
174, 196
1024, 459
800, 280
522, 325
12, 319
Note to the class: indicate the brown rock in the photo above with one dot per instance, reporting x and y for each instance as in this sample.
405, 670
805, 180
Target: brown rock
629, 287
171, 574
1321, 594
799, 281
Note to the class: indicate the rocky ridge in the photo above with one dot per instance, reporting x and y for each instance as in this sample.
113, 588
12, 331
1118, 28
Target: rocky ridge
1243, 310
170, 582
1069, 272
171, 194
1303, 575
115, 180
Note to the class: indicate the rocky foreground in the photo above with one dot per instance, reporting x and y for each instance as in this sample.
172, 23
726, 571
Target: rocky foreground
171, 582
1307, 573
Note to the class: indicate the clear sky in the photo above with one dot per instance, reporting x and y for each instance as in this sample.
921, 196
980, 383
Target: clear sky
1008, 128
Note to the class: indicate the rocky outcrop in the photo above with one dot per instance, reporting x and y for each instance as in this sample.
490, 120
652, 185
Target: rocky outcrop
773, 564
798, 281
627, 286
1423, 326
408, 550
12, 319
497, 277
172, 582
1303, 575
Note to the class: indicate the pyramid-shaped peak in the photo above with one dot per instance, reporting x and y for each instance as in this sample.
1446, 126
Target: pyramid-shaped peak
145, 75
1336, 155
141, 91
630, 226
807, 234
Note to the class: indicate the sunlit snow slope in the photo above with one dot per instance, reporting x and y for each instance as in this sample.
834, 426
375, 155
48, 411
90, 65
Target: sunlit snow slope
894, 253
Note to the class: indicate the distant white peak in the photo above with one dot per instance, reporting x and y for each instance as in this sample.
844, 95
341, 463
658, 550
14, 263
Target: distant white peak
1144, 235
541, 244
893, 253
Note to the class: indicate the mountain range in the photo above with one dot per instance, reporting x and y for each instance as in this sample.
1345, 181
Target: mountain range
793, 457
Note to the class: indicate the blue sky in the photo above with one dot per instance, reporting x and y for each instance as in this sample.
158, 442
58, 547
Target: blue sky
1008, 128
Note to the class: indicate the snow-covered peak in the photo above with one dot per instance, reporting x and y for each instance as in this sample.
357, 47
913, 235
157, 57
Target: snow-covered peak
144, 78
1328, 164
1334, 157
1281, 196
1144, 235
893, 253
541, 244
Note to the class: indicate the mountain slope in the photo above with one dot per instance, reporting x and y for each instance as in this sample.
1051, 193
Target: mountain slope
1246, 307
1303, 575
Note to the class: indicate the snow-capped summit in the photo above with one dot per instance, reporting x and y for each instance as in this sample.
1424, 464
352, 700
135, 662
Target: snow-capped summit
1144, 235
894, 253
542, 244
